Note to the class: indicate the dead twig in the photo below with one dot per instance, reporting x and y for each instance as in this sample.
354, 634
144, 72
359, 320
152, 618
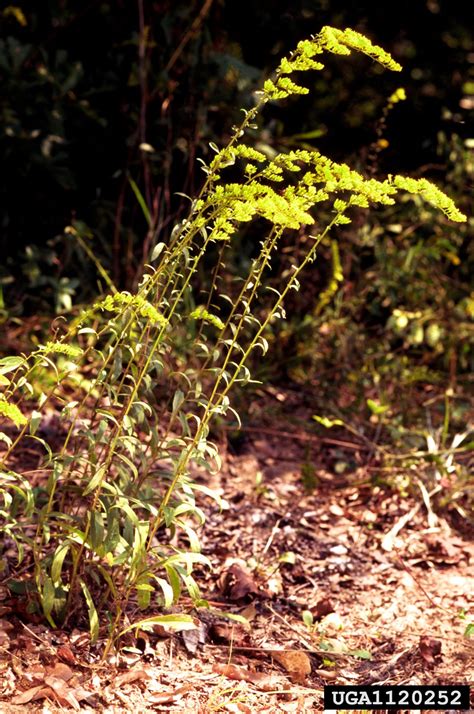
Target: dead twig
189, 34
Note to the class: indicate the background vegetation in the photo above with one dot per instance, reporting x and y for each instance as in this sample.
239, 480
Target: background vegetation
107, 101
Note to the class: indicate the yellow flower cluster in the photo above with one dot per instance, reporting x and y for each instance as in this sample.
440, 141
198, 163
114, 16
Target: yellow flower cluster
227, 205
200, 313
62, 348
430, 193
341, 42
120, 301
12, 412
399, 95
330, 39
235, 203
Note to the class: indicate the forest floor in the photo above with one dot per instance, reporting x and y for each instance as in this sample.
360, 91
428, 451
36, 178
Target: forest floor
389, 586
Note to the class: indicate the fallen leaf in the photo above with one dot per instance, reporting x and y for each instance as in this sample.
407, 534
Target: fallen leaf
249, 612
6, 626
61, 671
168, 697
327, 674
322, 608
35, 674
265, 682
296, 705
65, 654
236, 583
225, 632
165, 629
331, 622
296, 662
131, 676
430, 649
338, 549
193, 638
62, 692
31, 694
448, 551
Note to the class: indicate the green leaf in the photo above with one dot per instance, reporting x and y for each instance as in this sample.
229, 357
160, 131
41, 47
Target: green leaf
376, 407
113, 532
35, 421
96, 532
8, 364
141, 201
229, 615
157, 251
47, 599
6, 439
93, 616
314, 134
328, 423
178, 399
58, 560
173, 622
175, 581
360, 654
144, 591
168, 591
95, 480
21, 587
469, 631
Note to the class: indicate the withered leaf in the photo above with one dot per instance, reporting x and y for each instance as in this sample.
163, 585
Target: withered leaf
65, 654
237, 583
226, 632
296, 662
61, 671
62, 692
131, 676
168, 697
265, 682
322, 608
31, 694
193, 638
430, 649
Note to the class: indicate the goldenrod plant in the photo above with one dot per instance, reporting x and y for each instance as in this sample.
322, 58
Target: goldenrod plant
112, 514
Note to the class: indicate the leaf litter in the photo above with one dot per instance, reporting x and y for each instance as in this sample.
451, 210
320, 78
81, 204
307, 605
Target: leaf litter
343, 583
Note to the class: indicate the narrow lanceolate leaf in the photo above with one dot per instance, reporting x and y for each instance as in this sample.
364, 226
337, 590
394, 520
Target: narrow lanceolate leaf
58, 560
97, 530
47, 600
157, 250
35, 421
95, 480
168, 592
93, 616
172, 622
175, 581
141, 200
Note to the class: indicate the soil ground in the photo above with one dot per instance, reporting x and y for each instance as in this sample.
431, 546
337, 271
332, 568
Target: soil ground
340, 581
